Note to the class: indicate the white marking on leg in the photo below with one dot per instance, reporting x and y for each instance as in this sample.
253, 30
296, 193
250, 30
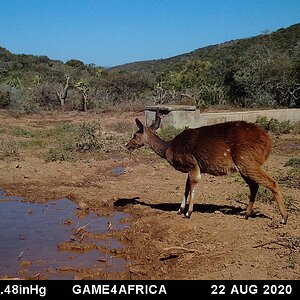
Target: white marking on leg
183, 202
193, 192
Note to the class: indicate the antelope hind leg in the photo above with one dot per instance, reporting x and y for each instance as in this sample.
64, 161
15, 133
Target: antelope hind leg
185, 198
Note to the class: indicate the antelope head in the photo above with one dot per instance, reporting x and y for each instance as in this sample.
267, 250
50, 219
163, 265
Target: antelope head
141, 137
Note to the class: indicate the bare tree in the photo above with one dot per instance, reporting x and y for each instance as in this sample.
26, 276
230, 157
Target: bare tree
63, 93
83, 87
160, 93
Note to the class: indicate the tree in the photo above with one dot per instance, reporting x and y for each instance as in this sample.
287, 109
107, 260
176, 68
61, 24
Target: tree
84, 88
159, 93
75, 63
62, 94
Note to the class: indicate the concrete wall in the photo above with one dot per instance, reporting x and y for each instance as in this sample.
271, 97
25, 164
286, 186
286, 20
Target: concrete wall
193, 119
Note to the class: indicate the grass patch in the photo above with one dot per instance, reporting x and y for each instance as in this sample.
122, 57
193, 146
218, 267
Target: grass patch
292, 261
3, 130
291, 203
70, 139
296, 128
54, 132
263, 195
32, 143
21, 132
274, 126
293, 162
238, 178
266, 196
292, 177
88, 137
9, 149
63, 141
168, 133
63, 152
122, 127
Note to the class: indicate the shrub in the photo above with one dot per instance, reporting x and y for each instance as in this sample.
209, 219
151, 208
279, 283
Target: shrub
4, 99
274, 126
72, 138
293, 162
61, 153
88, 137
44, 94
21, 102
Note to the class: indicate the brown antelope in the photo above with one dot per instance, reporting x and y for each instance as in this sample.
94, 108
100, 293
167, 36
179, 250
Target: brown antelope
218, 149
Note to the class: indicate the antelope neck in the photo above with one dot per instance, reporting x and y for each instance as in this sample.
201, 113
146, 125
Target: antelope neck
158, 145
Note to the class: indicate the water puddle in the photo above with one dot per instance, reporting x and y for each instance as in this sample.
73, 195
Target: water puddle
291, 146
53, 241
117, 171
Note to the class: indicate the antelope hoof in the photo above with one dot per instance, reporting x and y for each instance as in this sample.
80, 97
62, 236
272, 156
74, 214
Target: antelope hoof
180, 211
247, 214
188, 214
284, 220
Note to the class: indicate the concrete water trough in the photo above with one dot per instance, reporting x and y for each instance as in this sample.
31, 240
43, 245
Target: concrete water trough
181, 116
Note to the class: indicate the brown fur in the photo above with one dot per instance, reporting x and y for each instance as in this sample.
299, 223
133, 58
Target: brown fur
217, 149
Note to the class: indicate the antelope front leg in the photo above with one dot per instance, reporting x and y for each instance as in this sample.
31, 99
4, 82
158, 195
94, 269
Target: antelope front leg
184, 201
194, 177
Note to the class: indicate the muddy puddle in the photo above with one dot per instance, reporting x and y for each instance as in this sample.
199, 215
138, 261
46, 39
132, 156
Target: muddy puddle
55, 240
117, 171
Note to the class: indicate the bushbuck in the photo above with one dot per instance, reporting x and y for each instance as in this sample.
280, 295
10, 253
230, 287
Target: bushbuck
218, 149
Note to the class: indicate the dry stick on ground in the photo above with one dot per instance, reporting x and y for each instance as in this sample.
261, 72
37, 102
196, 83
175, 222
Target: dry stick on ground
292, 243
241, 202
180, 248
190, 242
81, 228
172, 248
296, 206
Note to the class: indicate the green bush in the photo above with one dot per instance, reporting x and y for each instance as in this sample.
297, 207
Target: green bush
88, 137
4, 100
70, 138
274, 126
21, 101
60, 153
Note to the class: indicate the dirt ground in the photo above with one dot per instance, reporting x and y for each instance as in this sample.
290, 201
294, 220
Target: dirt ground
216, 243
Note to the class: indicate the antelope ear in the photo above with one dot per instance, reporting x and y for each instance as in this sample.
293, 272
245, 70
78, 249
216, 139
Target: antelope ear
139, 124
156, 123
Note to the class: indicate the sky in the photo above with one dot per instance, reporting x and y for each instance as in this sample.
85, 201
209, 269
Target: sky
113, 32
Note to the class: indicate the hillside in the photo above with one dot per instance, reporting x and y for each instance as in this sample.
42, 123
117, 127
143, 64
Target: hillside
261, 71
281, 40
27, 66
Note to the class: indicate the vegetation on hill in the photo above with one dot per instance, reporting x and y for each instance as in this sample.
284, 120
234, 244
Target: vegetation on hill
262, 71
